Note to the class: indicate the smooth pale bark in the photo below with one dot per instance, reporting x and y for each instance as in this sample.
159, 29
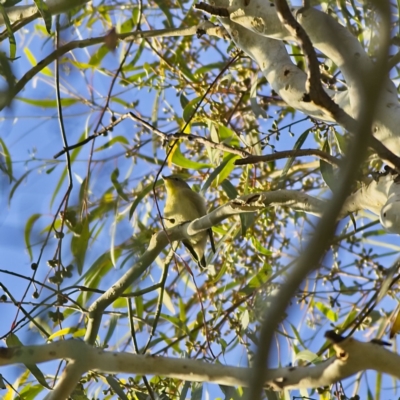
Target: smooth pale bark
256, 29
17, 13
351, 357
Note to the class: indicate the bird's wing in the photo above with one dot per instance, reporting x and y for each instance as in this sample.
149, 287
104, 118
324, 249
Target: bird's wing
189, 247
210, 235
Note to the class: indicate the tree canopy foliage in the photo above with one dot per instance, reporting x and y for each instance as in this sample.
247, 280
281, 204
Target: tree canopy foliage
100, 99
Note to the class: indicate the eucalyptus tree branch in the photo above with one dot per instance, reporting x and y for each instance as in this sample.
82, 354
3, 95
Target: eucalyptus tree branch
289, 153
16, 26
290, 83
202, 27
332, 39
286, 78
351, 357
55, 7
371, 196
370, 90
315, 91
261, 22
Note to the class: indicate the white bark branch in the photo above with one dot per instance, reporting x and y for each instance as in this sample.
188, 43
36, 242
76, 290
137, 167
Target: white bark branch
17, 13
328, 36
285, 78
351, 357
371, 196
319, 241
259, 22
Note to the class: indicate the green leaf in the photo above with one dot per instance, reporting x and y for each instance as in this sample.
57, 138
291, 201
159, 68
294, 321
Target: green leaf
327, 170
227, 135
307, 355
188, 111
79, 245
64, 332
97, 57
111, 328
118, 139
197, 391
185, 390
116, 387
30, 391
327, 311
167, 301
162, 5
245, 319
221, 172
341, 142
378, 385
138, 53
179, 160
50, 170
229, 189
13, 341
7, 74
183, 100
297, 334
45, 13
154, 112
45, 71
209, 67
350, 318
246, 219
260, 278
7, 158
48, 103
28, 231
92, 277
16, 184
398, 7
259, 247
10, 33
117, 185
130, 23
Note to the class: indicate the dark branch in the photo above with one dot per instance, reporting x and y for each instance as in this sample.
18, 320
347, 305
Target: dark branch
289, 153
217, 11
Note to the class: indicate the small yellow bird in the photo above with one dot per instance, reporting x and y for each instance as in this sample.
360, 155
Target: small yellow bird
184, 205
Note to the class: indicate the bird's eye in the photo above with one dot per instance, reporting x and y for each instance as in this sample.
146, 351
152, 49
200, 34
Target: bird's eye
384, 215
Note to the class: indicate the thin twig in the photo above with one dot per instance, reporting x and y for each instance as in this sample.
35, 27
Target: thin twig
160, 301
191, 138
289, 153
212, 10
136, 347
